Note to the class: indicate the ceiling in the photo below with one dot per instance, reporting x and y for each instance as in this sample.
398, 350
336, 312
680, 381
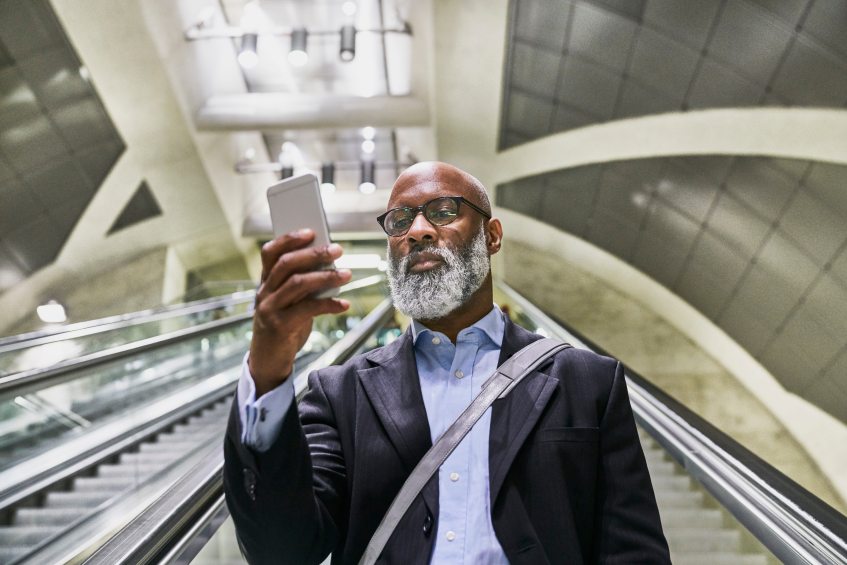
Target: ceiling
57, 143
572, 63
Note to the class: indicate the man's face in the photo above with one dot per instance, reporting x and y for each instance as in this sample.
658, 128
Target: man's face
435, 269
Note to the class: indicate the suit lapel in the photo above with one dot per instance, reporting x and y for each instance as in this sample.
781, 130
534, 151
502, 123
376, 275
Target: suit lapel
394, 391
513, 417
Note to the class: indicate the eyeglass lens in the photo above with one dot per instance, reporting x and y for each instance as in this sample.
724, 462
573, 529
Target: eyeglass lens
439, 212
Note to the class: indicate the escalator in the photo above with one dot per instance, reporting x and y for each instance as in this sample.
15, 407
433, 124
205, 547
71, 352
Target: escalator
90, 441
719, 503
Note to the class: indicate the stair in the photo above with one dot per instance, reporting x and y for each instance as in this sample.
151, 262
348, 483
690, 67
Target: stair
698, 533
62, 509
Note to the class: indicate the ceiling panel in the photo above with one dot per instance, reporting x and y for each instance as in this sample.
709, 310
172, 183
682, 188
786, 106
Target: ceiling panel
19, 205
530, 114
792, 351
825, 23
535, 70
741, 255
750, 40
762, 187
809, 64
543, 21
58, 182
678, 56
663, 62
55, 77
826, 393
814, 227
28, 27
11, 271
35, 243
732, 221
601, 35
689, 22
588, 87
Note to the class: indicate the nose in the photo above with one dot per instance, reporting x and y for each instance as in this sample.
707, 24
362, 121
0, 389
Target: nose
421, 229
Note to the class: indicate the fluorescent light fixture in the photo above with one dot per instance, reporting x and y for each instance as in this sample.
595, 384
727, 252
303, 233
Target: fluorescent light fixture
52, 313
347, 52
298, 55
248, 56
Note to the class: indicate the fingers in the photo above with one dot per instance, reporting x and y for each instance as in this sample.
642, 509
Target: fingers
301, 286
272, 250
299, 312
300, 261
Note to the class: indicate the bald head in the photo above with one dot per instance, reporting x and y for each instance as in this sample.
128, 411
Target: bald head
431, 174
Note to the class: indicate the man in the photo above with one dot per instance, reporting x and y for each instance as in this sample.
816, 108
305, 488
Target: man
553, 473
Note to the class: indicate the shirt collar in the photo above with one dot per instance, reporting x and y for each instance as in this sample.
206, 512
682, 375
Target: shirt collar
492, 325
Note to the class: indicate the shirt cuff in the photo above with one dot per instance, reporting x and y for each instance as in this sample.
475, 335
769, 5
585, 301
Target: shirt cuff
261, 420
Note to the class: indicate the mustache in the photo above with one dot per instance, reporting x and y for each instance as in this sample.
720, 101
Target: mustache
403, 263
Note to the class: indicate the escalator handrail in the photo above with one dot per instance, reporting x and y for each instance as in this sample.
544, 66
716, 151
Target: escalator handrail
121, 321
34, 379
794, 524
164, 523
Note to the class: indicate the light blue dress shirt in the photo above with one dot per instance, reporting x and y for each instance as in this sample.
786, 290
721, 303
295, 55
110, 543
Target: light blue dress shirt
451, 375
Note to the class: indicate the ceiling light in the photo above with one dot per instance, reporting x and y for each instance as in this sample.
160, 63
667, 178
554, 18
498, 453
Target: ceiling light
367, 188
52, 313
348, 43
248, 57
368, 132
368, 146
349, 8
298, 56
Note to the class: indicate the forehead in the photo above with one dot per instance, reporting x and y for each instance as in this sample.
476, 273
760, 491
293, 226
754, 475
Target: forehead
417, 193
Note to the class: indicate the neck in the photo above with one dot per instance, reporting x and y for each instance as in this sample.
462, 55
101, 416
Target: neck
466, 315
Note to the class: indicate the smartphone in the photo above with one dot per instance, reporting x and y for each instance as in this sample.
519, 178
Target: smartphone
296, 204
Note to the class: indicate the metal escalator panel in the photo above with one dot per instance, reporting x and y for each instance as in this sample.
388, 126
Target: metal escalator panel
45, 408
103, 437
44, 348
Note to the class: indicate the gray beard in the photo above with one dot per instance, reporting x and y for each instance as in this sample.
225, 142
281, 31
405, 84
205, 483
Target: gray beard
433, 294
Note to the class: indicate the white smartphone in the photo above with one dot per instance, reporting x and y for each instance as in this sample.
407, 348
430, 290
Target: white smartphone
296, 204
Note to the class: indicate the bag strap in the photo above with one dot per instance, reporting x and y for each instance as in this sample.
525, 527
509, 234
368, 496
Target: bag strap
500, 384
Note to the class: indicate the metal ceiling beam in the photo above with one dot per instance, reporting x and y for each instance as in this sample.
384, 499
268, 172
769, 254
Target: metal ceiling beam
262, 111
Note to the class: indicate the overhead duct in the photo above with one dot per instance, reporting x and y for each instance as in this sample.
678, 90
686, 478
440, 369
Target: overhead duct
260, 110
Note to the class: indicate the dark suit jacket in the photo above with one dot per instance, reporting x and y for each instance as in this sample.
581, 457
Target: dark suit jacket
569, 483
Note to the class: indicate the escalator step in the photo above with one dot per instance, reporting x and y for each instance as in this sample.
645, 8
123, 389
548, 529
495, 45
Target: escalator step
171, 446
690, 518
45, 516
76, 499
102, 484
25, 535
9, 553
688, 499
671, 483
137, 470
147, 458
691, 540
718, 558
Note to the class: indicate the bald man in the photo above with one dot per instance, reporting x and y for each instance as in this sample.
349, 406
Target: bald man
553, 473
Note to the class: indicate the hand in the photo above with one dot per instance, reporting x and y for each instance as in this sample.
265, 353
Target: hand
285, 305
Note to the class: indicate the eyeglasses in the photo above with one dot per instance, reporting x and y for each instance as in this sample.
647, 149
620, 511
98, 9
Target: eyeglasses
439, 212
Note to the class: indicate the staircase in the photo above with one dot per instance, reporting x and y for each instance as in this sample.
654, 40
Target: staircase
698, 530
60, 510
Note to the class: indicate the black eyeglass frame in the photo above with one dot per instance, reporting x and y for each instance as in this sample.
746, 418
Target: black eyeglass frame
420, 210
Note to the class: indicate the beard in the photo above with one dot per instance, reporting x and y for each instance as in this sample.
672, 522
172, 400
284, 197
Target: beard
433, 294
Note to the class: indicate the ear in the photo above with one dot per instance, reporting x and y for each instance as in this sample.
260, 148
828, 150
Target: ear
494, 235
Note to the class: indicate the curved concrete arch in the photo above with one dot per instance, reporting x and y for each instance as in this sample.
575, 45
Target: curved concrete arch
814, 134
822, 436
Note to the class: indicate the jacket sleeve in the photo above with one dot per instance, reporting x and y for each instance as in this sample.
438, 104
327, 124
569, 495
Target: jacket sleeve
288, 501
628, 528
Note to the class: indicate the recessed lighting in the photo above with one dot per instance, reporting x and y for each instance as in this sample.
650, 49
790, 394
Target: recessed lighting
368, 132
367, 188
349, 8
368, 146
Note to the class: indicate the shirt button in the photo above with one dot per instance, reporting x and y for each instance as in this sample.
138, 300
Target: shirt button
436, 340
454, 476
451, 536
459, 374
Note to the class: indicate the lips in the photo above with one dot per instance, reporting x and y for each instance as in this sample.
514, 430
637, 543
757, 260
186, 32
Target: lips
424, 261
